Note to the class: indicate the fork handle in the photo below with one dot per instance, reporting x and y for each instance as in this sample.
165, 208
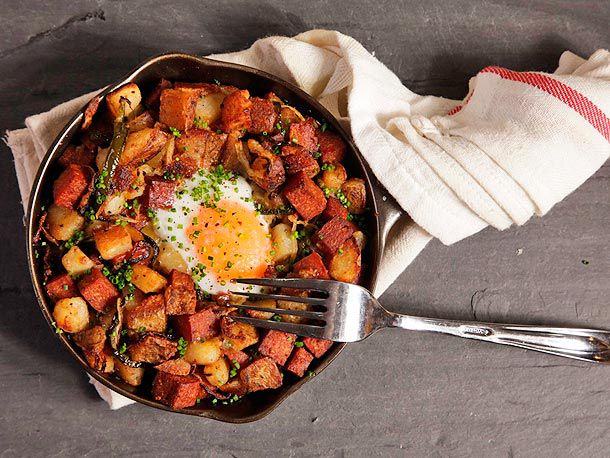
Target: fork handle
579, 343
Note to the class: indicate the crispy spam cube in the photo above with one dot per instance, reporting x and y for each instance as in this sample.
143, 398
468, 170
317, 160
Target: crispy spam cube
176, 391
236, 356
304, 134
61, 287
175, 366
305, 196
129, 91
234, 386
346, 263
236, 109
202, 146
153, 349
329, 238
98, 291
301, 160
113, 242
332, 147
149, 315
77, 155
334, 208
147, 280
311, 266
262, 374
159, 193
71, 185
201, 325
180, 295
317, 346
142, 145
237, 336
263, 116
299, 362
177, 108
277, 345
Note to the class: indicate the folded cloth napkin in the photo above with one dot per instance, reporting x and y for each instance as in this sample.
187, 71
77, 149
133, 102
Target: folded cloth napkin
516, 145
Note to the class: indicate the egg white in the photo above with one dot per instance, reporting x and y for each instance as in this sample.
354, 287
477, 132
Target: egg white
172, 224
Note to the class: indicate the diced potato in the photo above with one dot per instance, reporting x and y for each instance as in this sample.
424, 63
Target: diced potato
94, 226
217, 373
112, 206
135, 234
147, 280
76, 262
237, 336
149, 231
266, 303
208, 108
203, 353
64, 222
345, 264
355, 191
143, 145
333, 177
131, 375
71, 314
290, 305
360, 239
113, 242
131, 92
170, 259
284, 245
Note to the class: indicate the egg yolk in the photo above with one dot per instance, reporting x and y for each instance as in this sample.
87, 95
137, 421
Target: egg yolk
231, 241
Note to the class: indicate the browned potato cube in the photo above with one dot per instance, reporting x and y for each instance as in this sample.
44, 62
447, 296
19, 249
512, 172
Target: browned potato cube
131, 375
345, 264
63, 222
76, 262
112, 242
147, 280
143, 145
71, 314
355, 191
217, 373
333, 176
131, 92
237, 335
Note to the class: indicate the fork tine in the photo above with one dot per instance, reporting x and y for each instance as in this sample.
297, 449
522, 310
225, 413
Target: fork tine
298, 329
281, 297
299, 283
303, 313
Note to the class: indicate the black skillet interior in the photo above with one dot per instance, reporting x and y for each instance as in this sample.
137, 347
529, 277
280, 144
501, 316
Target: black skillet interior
187, 68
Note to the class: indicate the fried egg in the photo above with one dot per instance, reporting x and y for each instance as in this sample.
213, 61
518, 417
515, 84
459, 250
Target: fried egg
216, 229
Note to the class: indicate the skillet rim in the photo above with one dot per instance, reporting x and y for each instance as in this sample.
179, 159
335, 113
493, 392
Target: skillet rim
64, 138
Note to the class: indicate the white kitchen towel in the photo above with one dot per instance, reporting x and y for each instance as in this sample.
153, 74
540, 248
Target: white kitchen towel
516, 145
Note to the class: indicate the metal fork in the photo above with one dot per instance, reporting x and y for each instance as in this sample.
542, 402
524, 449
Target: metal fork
348, 313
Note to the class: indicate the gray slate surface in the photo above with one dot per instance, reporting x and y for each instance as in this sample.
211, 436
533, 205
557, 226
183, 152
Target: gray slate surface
397, 394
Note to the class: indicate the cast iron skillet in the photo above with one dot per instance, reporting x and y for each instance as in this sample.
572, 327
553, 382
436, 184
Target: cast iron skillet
188, 68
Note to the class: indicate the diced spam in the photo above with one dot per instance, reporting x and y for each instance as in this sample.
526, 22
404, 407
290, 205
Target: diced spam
332, 147
303, 134
263, 116
149, 315
317, 346
201, 325
299, 362
159, 193
98, 291
180, 295
329, 238
304, 195
301, 160
311, 266
77, 155
153, 349
71, 185
334, 208
177, 108
236, 109
61, 287
202, 146
236, 355
262, 374
176, 391
277, 345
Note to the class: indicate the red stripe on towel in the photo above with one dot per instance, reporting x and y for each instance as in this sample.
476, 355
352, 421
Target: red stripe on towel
572, 98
